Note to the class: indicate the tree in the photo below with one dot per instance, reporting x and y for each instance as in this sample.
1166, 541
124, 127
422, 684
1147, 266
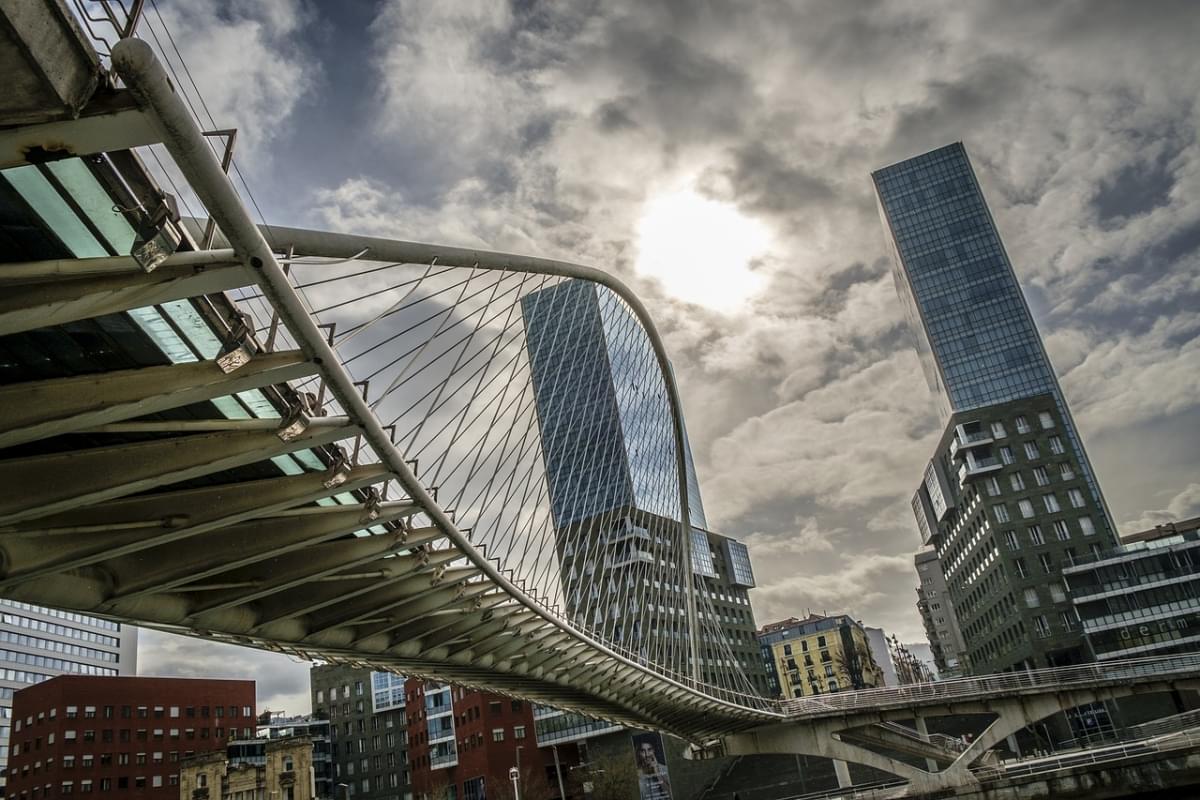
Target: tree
532, 784
612, 778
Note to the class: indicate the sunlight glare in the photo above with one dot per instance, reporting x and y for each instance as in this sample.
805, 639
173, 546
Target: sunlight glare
700, 249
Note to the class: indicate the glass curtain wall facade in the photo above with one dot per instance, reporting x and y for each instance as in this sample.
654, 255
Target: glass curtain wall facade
38, 643
608, 445
974, 333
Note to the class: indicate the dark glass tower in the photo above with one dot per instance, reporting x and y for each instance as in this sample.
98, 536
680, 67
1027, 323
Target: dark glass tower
608, 446
976, 339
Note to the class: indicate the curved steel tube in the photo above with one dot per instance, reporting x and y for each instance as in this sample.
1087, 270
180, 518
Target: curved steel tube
372, 248
144, 75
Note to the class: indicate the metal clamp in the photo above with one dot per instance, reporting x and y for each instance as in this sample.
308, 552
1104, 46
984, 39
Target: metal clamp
339, 471
239, 346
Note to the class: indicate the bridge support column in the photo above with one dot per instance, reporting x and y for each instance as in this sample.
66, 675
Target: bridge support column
923, 729
842, 770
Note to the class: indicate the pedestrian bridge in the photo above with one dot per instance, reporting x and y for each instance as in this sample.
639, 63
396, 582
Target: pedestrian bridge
355, 448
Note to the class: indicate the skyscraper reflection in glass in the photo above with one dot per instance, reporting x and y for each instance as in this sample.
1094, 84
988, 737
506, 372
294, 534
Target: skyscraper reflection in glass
975, 336
606, 426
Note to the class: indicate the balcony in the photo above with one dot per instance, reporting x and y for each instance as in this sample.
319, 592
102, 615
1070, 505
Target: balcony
974, 467
966, 439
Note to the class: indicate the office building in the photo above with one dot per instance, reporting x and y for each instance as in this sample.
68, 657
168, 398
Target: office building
124, 735
369, 745
818, 655
608, 447
284, 771
1141, 598
937, 614
37, 643
1009, 495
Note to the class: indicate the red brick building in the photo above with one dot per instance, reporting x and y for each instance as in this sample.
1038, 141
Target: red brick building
78, 734
469, 740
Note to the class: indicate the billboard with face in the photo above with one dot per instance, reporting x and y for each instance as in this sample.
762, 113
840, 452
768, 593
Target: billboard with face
653, 781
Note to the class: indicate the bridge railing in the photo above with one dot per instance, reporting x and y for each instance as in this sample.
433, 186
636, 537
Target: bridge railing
1008, 682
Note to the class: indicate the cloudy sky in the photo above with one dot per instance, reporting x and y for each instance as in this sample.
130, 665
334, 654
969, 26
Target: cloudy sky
717, 156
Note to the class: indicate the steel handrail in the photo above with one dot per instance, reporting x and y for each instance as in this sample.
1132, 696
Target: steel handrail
1056, 677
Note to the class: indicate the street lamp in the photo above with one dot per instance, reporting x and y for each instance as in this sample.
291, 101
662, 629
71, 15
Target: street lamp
514, 775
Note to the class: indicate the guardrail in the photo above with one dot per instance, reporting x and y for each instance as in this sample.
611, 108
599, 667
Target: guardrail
1112, 672
1187, 740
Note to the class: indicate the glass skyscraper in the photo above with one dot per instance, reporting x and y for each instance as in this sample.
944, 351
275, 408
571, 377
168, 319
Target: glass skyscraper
1008, 499
975, 336
608, 446
605, 422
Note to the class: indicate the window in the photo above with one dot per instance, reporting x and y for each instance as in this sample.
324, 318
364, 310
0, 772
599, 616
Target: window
1022, 570
1046, 421
1047, 562
1040, 476
1006, 454
1042, 626
518, 731
89, 712
1026, 508
998, 431
1011, 539
497, 734
174, 712
1076, 498
1066, 470
1022, 424
820, 641
1031, 450
1035, 535
1018, 483
1061, 530
1031, 598
993, 486
1056, 446
1057, 593
1000, 512
1086, 527
1051, 503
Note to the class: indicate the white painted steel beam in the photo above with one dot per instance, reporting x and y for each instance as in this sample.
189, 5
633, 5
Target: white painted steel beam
41, 409
228, 551
38, 305
120, 128
47, 484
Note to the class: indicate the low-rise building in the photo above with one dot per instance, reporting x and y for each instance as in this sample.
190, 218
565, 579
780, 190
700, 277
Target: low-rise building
283, 773
280, 726
818, 655
1143, 597
128, 735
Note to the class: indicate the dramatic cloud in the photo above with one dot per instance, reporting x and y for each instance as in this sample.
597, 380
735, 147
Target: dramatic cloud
550, 129
282, 683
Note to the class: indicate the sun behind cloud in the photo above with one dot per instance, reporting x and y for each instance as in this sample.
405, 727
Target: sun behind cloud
700, 249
